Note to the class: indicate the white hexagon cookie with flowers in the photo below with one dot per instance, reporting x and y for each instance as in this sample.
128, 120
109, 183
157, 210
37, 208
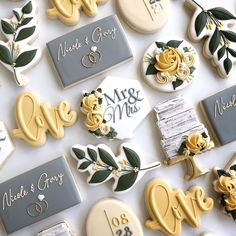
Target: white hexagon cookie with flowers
115, 108
225, 185
170, 65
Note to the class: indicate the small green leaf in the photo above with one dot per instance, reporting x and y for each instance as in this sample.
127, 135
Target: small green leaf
27, 8
25, 58
233, 214
84, 165
232, 52
174, 43
132, 157
5, 55
100, 176
200, 22
215, 41
107, 158
26, 21
80, 154
221, 52
93, 154
228, 65
25, 33
230, 35
17, 15
126, 181
221, 13
192, 69
222, 172
181, 148
160, 45
7, 28
177, 83
204, 135
233, 167
151, 70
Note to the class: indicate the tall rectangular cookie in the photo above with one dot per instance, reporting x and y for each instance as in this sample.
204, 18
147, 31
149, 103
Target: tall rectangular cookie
37, 194
220, 110
89, 50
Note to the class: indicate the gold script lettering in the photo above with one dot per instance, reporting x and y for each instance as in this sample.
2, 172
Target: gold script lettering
44, 181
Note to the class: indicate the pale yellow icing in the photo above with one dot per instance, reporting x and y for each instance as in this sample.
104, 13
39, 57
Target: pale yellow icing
94, 120
195, 143
35, 119
90, 103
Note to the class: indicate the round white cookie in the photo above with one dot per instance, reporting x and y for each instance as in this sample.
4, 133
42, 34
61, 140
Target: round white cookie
170, 65
112, 217
145, 16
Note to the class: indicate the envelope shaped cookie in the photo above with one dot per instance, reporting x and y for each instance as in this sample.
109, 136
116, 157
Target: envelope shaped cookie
215, 27
115, 108
90, 50
113, 217
37, 194
6, 145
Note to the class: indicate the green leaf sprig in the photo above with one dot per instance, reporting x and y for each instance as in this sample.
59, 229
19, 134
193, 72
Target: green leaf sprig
17, 29
103, 165
211, 19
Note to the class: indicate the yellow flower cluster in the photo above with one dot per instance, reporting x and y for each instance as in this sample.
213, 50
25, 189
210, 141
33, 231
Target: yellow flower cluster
172, 62
196, 143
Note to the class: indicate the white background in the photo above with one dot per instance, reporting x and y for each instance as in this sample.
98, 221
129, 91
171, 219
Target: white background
43, 81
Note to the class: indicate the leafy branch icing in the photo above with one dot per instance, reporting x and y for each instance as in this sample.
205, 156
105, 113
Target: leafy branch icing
171, 63
102, 164
17, 55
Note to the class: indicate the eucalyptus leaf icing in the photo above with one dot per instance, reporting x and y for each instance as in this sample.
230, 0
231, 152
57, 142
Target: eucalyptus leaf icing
17, 55
215, 26
68, 11
34, 119
126, 169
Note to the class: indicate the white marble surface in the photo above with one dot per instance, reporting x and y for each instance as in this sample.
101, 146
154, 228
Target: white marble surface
44, 81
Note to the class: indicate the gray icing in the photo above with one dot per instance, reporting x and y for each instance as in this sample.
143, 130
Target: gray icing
220, 110
37, 194
89, 50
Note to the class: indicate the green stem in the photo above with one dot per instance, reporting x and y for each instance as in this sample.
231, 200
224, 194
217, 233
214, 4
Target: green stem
151, 167
198, 4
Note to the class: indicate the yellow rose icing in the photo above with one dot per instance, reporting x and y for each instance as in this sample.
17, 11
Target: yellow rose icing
168, 208
94, 120
195, 143
90, 103
34, 119
68, 11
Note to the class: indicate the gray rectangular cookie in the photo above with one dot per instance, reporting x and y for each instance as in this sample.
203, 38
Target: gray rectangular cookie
89, 50
220, 110
37, 194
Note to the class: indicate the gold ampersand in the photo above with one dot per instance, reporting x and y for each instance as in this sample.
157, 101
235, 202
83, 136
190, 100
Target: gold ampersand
34, 119
168, 208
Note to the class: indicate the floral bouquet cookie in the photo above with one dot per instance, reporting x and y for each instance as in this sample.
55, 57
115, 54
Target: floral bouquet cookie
171, 65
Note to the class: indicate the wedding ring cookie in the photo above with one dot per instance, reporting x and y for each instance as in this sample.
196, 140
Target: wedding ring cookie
214, 26
68, 11
168, 208
145, 16
113, 217
17, 55
126, 169
34, 119
170, 65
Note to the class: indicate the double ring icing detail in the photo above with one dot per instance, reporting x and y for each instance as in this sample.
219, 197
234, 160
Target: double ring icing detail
92, 58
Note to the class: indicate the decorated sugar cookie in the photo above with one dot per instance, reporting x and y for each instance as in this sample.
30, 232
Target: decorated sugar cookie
214, 26
207, 234
225, 185
34, 119
68, 11
126, 169
17, 55
6, 145
183, 135
168, 208
113, 217
115, 108
145, 16
170, 65
60, 229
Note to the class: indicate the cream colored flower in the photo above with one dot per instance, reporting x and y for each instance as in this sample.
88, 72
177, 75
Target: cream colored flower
105, 129
231, 202
226, 185
189, 59
169, 60
163, 77
183, 73
94, 120
195, 143
90, 103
